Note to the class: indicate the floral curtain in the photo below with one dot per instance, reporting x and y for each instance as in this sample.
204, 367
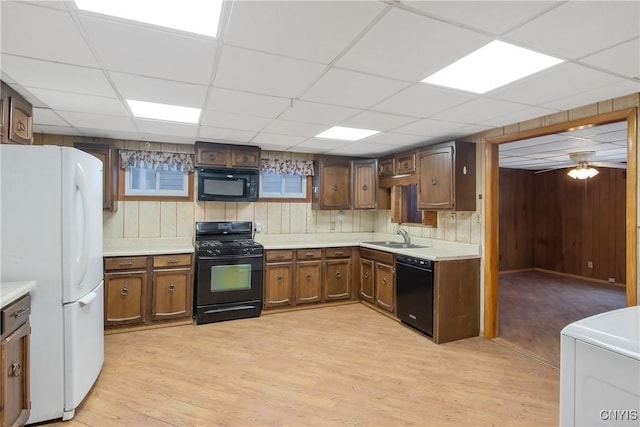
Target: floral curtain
287, 167
157, 160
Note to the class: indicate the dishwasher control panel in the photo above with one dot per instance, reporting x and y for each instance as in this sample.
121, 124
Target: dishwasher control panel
418, 262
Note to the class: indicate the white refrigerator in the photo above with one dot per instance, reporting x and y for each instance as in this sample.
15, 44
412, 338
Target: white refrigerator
51, 232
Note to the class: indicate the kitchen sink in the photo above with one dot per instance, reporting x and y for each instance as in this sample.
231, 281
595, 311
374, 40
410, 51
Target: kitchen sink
399, 245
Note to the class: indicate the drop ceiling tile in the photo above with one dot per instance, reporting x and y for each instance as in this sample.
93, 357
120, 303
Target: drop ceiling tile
394, 139
274, 147
479, 110
253, 104
421, 100
233, 121
286, 127
58, 130
363, 150
352, 89
26, 31
151, 52
519, 116
158, 90
54, 4
597, 94
55, 76
65, 101
220, 134
258, 72
429, 127
115, 134
321, 29
555, 83
494, 17
623, 59
533, 142
319, 145
170, 139
312, 112
97, 121
377, 121
385, 49
44, 116
167, 128
265, 138
578, 28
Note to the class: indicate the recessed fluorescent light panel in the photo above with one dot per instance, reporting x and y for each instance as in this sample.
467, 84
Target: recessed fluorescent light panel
490, 67
172, 113
346, 134
194, 16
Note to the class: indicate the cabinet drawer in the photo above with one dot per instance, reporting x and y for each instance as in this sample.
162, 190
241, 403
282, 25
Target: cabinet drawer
172, 260
386, 167
212, 156
381, 256
406, 163
308, 254
245, 158
125, 263
15, 314
338, 252
285, 255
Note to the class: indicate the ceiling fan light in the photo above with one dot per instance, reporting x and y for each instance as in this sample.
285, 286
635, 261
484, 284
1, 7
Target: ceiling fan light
582, 172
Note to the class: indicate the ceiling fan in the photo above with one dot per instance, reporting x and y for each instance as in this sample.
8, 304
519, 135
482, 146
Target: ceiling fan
584, 165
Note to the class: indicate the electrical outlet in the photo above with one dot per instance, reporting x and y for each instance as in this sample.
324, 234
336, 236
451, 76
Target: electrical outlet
589, 264
258, 227
612, 280
332, 225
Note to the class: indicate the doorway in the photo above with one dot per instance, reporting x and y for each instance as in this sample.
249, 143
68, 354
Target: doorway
491, 246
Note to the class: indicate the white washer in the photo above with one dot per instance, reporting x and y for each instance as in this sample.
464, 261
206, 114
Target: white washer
600, 370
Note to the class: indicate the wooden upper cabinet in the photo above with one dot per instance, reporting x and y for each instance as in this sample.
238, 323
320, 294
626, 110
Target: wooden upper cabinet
17, 117
406, 163
332, 184
226, 155
108, 155
365, 183
447, 177
387, 167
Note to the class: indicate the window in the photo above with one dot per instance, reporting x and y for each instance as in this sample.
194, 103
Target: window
156, 182
276, 185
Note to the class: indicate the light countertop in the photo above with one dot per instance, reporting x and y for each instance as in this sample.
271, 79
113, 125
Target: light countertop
435, 250
147, 246
11, 291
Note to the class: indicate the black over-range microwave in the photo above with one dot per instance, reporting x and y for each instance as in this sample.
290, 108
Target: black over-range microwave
222, 184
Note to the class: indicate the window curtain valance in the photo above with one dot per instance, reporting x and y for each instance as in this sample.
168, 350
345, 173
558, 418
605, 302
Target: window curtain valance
287, 167
157, 160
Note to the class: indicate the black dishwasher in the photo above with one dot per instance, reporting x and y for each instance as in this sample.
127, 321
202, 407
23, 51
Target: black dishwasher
414, 290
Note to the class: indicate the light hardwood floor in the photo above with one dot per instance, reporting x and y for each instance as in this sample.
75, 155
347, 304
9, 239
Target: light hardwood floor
335, 366
535, 306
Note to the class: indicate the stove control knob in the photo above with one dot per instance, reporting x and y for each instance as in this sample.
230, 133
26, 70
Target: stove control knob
217, 251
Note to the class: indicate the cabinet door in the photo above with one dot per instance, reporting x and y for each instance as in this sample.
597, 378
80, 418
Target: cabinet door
366, 279
124, 298
334, 188
241, 158
406, 163
110, 163
20, 121
278, 287
14, 380
365, 184
308, 281
385, 286
171, 294
387, 167
436, 179
4, 114
211, 155
337, 283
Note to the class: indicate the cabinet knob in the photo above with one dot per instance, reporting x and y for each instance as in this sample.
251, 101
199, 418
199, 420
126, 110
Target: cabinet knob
21, 127
335, 187
366, 274
172, 261
309, 254
172, 287
308, 276
245, 159
15, 369
434, 180
125, 263
405, 165
279, 278
384, 280
124, 292
364, 187
19, 313
212, 156
279, 256
338, 273
338, 253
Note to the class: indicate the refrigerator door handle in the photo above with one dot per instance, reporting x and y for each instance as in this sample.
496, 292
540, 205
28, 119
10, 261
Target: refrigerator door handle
80, 181
86, 300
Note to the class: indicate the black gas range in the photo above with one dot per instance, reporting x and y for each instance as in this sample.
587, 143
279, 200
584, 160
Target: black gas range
228, 280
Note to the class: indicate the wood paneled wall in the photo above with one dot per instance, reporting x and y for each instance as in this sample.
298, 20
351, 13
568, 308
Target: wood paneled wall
554, 222
516, 220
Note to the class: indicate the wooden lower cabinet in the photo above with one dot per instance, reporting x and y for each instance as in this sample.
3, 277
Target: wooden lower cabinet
377, 278
278, 289
145, 289
307, 276
124, 297
171, 293
15, 401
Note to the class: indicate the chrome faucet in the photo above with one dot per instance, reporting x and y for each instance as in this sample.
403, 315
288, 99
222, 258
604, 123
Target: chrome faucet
405, 236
